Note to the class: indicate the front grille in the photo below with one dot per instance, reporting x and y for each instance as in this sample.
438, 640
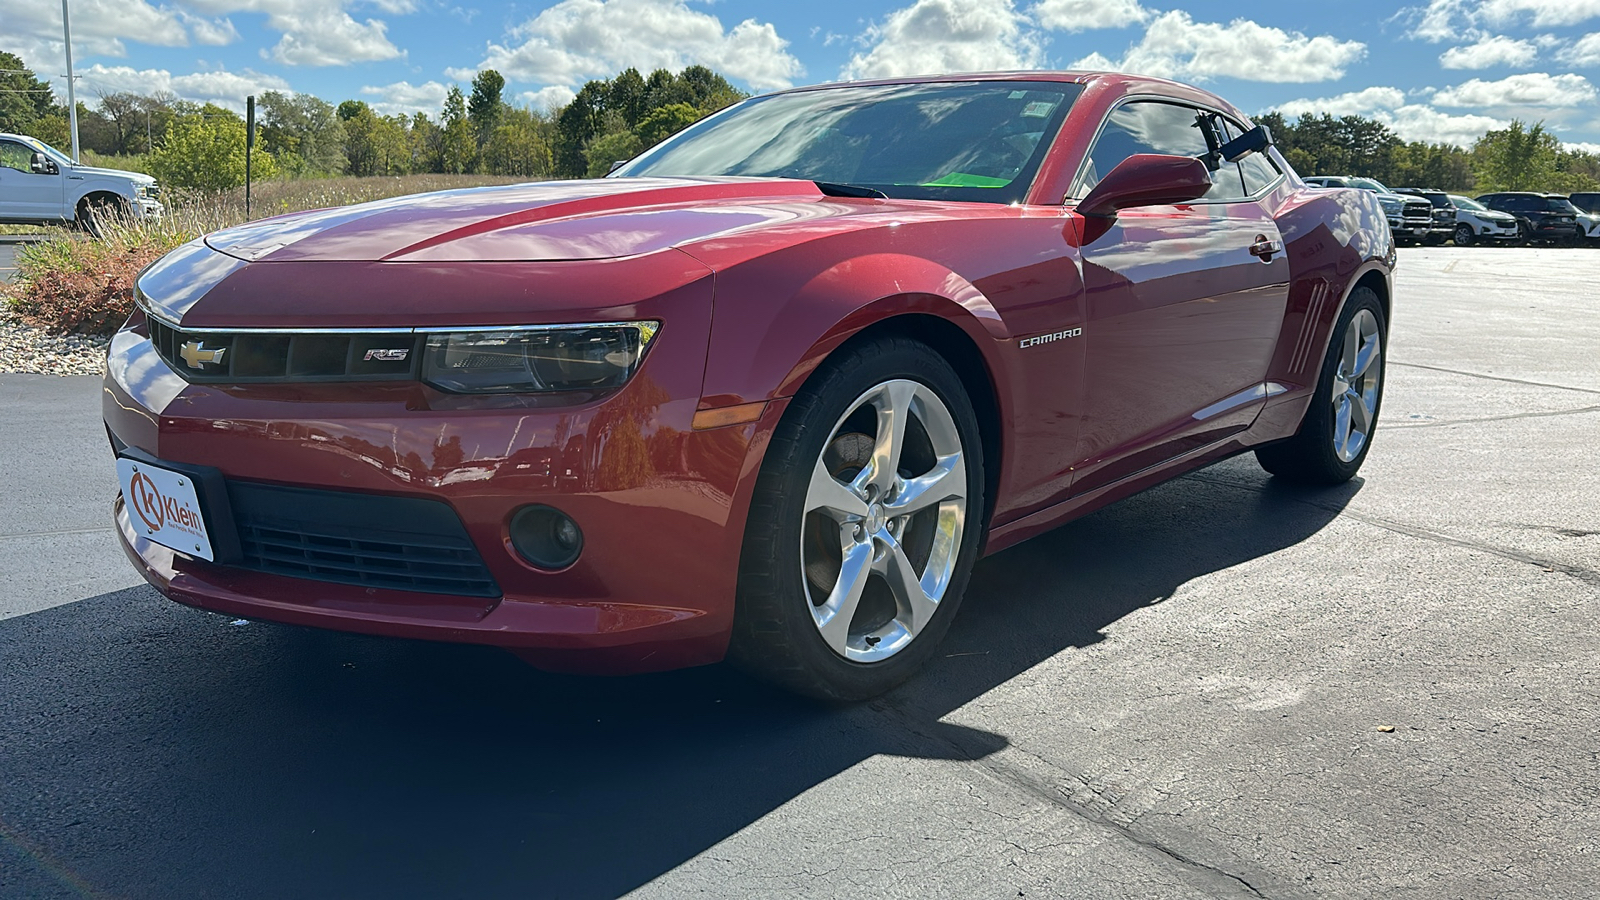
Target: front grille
1419, 209
267, 356
399, 543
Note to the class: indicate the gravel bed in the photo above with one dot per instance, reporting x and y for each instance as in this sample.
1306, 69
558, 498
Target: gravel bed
27, 350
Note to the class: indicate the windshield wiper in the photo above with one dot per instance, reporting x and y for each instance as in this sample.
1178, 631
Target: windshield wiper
835, 189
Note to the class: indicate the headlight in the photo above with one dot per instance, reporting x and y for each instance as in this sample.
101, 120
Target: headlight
151, 191
1391, 205
537, 359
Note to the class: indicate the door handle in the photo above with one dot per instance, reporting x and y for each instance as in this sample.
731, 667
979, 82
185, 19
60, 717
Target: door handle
1265, 248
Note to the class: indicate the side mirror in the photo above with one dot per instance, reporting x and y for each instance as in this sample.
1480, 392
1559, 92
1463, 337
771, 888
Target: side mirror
43, 165
1255, 140
1147, 179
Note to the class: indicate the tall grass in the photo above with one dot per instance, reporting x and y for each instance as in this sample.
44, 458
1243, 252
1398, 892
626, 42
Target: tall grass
77, 283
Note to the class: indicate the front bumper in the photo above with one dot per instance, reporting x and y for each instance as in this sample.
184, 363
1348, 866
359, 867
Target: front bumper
1413, 229
658, 503
146, 208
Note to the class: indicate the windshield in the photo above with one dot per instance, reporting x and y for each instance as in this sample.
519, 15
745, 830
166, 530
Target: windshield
979, 141
1559, 204
60, 158
1464, 203
1368, 184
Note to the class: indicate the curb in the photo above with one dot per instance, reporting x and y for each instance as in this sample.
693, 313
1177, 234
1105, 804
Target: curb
23, 238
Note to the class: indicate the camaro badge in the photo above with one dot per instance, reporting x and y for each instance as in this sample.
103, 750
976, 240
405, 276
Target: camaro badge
1038, 339
196, 355
388, 355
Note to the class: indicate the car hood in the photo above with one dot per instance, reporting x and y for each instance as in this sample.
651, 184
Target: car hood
572, 220
96, 172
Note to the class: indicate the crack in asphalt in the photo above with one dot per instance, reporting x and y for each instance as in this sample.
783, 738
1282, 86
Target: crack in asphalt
1052, 794
1581, 573
1543, 384
1407, 426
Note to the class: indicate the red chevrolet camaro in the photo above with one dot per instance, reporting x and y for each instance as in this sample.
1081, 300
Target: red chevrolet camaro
766, 393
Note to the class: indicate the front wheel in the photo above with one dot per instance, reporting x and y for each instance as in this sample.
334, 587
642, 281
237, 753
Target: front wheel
1464, 235
863, 526
1336, 433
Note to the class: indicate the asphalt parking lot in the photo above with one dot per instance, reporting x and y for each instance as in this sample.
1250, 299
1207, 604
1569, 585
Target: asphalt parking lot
1223, 687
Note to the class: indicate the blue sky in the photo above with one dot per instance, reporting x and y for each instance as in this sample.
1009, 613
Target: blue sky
1437, 70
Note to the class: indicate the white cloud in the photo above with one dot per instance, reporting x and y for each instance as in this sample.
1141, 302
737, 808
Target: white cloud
579, 39
32, 29
213, 32
547, 99
317, 32
1581, 147
1083, 15
1490, 50
226, 89
1448, 20
1357, 103
1411, 121
941, 36
1584, 52
1176, 46
1536, 89
1541, 13
405, 98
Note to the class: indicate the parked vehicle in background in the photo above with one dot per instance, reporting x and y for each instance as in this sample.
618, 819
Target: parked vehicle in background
1410, 218
1540, 217
1476, 223
1444, 212
40, 185
1586, 202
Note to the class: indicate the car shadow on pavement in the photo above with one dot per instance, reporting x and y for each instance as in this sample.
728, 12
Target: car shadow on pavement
151, 750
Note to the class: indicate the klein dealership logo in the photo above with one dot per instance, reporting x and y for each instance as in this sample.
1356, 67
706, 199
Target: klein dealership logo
157, 510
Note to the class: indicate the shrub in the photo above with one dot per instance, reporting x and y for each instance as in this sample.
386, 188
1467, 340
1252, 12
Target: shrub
85, 286
207, 153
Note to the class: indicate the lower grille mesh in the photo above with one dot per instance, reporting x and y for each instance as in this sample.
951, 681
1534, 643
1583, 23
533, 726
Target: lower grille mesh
384, 542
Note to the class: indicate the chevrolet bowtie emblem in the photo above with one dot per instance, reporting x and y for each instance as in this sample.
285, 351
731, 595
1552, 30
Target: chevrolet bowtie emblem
196, 355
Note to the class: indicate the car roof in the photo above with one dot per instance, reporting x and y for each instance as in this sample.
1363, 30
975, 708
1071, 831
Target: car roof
1088, 77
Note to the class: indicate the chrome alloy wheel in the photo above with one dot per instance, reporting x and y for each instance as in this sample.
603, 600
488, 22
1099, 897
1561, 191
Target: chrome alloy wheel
1355, 385
887, 498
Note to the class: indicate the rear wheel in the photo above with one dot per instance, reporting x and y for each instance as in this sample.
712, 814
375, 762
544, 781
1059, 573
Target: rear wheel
863, 527
1337, 431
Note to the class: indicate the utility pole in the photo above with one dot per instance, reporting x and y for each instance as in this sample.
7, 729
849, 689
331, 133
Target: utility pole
72, 94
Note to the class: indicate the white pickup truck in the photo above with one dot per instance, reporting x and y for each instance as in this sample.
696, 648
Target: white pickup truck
40, 185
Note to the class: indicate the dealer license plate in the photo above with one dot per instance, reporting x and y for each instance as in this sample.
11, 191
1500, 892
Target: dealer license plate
164, 507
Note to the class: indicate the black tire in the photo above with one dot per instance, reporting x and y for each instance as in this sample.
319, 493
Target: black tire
1311, 456
1464, 236
775, 636
94, 210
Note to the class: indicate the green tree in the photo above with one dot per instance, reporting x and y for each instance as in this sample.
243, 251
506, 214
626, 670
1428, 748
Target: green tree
206, 151
607, 150
666, 121
426, 144
517, 147
24, 98
485, 108
626, 95
303, 132
458, 145
576, 125
1516, 158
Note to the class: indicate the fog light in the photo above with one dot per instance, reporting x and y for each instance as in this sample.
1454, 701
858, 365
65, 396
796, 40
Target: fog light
546, 537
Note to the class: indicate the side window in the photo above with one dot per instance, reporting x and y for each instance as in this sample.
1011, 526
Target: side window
1150, 126
1258, 169
15, 156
